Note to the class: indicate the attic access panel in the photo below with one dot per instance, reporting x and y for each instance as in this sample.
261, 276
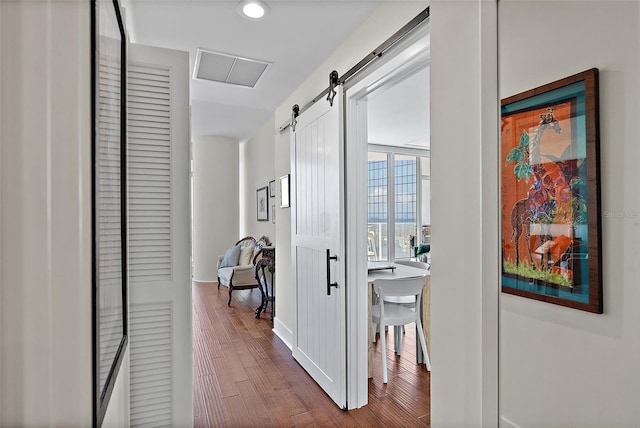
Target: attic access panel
228, 69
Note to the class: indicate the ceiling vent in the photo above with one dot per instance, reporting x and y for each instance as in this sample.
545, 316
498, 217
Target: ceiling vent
224, 68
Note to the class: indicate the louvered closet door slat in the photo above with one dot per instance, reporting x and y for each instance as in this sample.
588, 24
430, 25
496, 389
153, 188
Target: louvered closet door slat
149, 107
159, 88
150, 117
147, 145
156, 129
141, 70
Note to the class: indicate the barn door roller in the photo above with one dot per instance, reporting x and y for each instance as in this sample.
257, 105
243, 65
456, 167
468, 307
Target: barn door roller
295, 111
333, 82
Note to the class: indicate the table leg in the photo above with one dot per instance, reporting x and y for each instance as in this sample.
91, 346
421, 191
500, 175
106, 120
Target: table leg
425, 319
264, 294
370, 349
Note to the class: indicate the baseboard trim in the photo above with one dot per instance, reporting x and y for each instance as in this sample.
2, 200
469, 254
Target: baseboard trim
281, 330
506, 423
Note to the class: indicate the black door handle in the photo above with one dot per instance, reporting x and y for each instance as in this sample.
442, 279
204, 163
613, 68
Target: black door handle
329, 283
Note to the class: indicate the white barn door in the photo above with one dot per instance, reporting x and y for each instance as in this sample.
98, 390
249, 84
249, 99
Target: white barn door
159, 236
319, 330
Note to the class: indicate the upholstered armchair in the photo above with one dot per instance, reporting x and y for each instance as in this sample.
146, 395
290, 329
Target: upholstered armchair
237, 268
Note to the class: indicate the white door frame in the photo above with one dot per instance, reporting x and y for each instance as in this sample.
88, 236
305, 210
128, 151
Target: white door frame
410, 53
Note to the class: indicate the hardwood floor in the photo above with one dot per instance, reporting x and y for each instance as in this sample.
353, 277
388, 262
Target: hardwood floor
245, 376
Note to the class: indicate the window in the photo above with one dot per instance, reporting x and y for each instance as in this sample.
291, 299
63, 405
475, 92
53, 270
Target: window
425, 199
404, 197
377, 245
398, 204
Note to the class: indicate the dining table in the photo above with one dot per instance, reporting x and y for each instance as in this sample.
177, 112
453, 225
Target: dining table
389, 270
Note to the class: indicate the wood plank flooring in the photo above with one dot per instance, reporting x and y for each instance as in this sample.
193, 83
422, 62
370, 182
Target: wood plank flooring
245, 376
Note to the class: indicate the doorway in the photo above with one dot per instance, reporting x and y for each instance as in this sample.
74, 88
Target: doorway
388, 155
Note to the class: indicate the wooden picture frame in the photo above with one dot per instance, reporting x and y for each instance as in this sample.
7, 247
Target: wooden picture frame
550, 174
109, 223
262, 203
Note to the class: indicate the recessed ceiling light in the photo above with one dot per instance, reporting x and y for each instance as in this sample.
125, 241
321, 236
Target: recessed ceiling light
253, 9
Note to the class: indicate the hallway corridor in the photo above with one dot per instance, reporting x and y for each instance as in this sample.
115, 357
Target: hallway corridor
245, 376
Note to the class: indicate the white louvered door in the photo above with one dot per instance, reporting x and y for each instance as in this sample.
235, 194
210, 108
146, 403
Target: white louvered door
159, 236
318, 233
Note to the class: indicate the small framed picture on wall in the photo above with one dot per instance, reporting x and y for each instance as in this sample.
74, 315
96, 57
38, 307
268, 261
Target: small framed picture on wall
262, 203
284, 191
272, 189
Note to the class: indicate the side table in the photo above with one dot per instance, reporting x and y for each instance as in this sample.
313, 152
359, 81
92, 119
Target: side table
268, 262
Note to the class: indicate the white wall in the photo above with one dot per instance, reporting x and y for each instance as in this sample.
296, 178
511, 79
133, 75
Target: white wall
215, 202
45, 214
388, 18
464, 213
560, 366
284, 292
464, 300
257, 170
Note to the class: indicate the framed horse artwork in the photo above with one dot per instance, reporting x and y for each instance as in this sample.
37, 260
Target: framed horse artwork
550, 193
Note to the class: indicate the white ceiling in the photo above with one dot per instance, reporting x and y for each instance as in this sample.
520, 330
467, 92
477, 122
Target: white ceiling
296, 37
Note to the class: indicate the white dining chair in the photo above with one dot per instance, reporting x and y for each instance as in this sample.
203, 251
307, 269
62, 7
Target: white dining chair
406, 299
386, 313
